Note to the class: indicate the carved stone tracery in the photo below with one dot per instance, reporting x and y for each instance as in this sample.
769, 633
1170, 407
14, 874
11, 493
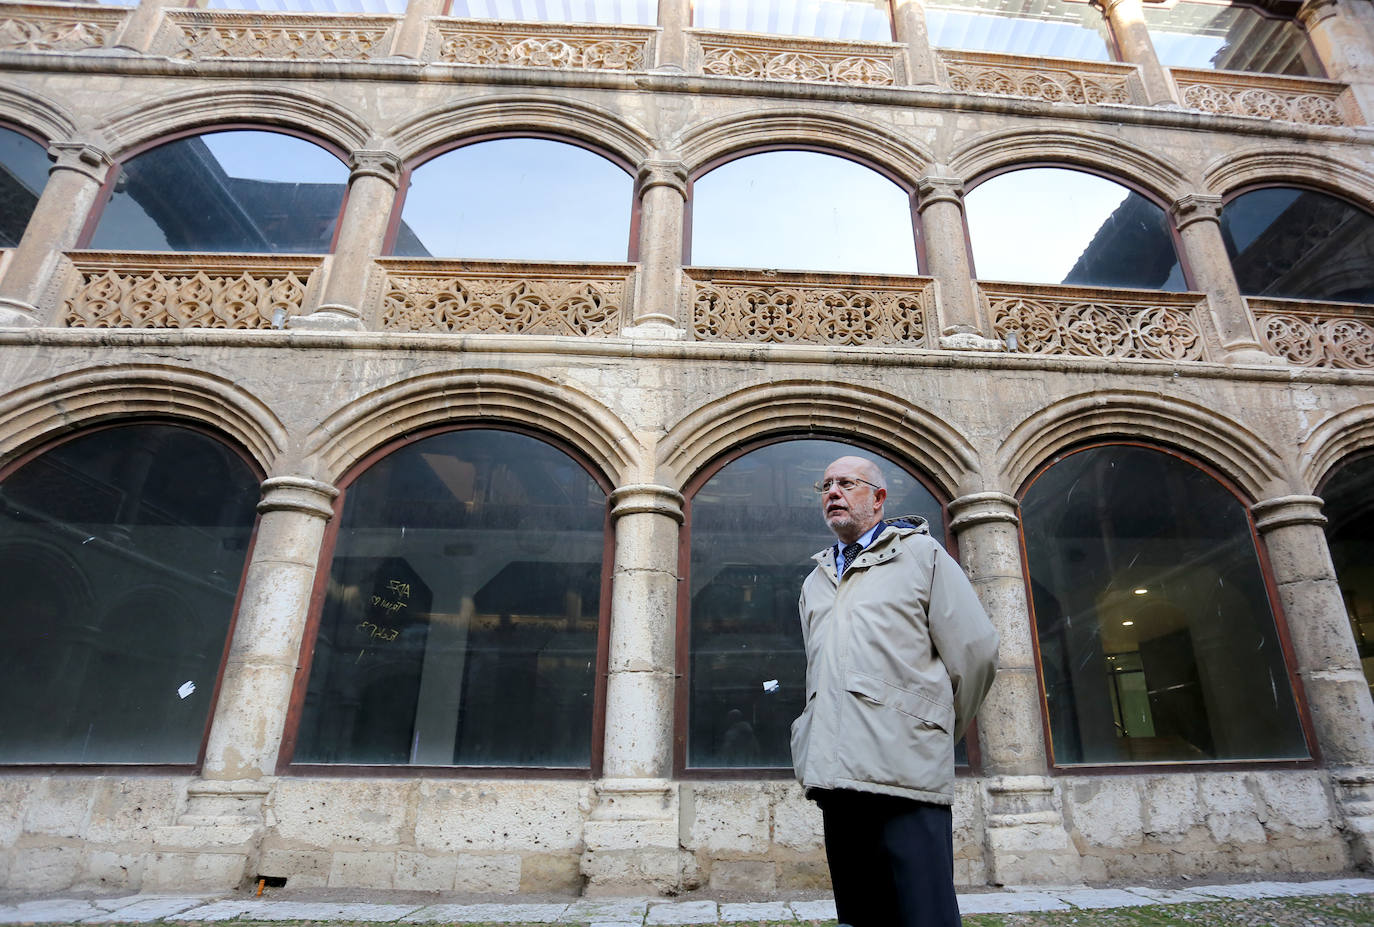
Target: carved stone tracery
1267, 96
1007, 75
293, 37
540, 45
1316, 336
38, 27
1096, 323
783, 58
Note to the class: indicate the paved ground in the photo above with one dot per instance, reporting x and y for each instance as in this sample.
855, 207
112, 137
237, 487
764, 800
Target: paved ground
1334, 902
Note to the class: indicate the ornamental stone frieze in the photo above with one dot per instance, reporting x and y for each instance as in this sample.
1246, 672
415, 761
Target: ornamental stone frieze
776, 308
505, 299
1316, 335
775, 57
1091, 322
1268, 96
113, 290
543, 45
64, 28
294, 37
1014, 76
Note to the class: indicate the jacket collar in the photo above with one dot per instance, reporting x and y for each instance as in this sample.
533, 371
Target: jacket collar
899, 527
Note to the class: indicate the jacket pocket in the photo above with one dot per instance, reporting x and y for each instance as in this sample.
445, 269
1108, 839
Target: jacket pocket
907, 701
801, 736
895, 736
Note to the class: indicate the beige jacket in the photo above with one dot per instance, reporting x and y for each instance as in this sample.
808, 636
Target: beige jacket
899, 655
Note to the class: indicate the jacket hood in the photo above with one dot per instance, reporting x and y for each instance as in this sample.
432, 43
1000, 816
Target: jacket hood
905, 524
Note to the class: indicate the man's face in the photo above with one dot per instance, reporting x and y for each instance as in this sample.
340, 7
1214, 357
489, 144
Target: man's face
849, 514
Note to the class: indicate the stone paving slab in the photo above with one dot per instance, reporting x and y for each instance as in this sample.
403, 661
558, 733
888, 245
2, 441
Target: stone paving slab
296, 911
756, 911
1170, 895
823, 910
630, 910
1010, 903
143, 910
1337, 887
1104, 898
684, 912
1249, 891
58, 910
487, 913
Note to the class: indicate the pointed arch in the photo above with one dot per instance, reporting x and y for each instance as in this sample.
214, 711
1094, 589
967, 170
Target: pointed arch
1276, 163
801, 407
37, 113
1332, 440
1236, 451
494, 396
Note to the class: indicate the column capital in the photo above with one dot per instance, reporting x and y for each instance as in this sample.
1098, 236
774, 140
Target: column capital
647, 499
1284, 511
383, 165
298, 494
662, 172
983, 507
86, 160
939, 188
1195, 207
1315, 12
1110, 7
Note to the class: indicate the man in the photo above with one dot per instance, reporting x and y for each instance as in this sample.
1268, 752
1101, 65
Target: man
899, 655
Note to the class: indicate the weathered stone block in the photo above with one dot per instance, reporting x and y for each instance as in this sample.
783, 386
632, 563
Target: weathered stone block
128, 808
541, 816
210, 872
107, 870
1171, 806
498, 873
424, 873
550, 872
43, 869
743, 875
803, 874
300, 868
353, 813
730, 818
1107, 811
797, 822
364, 869
14, 796
59, 806
1298, 803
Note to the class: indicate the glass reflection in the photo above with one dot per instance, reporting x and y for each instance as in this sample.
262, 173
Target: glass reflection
801, 210
393, 7
120, 557
460, 624
856, 20
1229, 37
625, 12
525, 199
237, 191
1300, 244
1038, 28
1349, 510
754, 526
1157, 642
23, 172
1052, 225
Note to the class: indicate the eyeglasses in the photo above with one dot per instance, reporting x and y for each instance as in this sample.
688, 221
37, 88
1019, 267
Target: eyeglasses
846, 484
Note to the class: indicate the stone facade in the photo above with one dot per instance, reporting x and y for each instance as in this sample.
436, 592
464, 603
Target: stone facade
652, 370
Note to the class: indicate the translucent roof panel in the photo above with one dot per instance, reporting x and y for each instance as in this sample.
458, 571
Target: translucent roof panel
623, 12
1035, 28
1229, 37
394, 7
863, 20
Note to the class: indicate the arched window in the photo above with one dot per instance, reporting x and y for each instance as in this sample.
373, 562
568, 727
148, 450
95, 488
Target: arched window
23, 172
866, 20
1054, 225
1349, 510
1300, 244
1229, 37
753, 525
237, 190
1034, 28
801, 210
121, 553
517, 199
1156, 636
462, 609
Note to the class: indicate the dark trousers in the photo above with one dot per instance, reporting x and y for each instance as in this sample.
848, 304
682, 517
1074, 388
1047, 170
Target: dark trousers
891, 860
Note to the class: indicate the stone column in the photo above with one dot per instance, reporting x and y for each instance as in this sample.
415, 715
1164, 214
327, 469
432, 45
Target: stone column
216, 837
1197, 218
1328, 662
413, 30
1127, 19
139, 30
909, 28
1025, 838
940, 201
1345, 45
631, 838
372, 185
670, 49
662, 186
73, 184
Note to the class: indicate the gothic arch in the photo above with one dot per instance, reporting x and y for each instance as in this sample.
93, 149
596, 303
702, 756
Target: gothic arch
314, 114
801, 407
37, 113
1273, 163
1331, 441
35, 414
1233, 449
494, 396
1071, 147
901, 157
598, 127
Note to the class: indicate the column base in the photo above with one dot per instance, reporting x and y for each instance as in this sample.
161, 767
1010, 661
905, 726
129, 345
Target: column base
17, 314
970, 341
661, 329
631, 840
1025, 839
328, 319
1251, 354
215, 842
1355, 796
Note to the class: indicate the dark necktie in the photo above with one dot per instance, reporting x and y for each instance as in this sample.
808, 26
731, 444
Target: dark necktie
850, 552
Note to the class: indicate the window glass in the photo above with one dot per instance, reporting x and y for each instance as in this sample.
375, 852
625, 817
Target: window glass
1037, 28
1229, 37
460, 622
626, 12
754, 526
23, 172
120, 557
520, 199
1349, 509
1052, 225
393, 7
800, 210
249, 191
865, 20
1287, 242
1157, 641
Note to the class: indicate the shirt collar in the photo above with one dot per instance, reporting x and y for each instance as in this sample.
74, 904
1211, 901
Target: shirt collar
865, 539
